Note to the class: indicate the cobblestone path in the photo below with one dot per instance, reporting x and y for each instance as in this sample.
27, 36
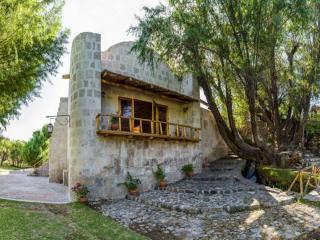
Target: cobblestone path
216, 204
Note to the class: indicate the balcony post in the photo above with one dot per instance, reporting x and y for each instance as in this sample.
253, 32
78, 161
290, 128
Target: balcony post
98, 122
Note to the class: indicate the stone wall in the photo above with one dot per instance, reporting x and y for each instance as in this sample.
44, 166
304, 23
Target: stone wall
84, 105
119, 59
116, 156
212, 144
58, 144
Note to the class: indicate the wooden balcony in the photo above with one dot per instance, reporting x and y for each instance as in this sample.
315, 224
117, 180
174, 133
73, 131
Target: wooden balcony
115, 125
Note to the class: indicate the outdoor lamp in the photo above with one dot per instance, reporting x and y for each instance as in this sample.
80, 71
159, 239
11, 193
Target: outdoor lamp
50, 128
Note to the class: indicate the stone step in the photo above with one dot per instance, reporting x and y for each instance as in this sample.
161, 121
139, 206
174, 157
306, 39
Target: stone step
225, 177
212, 187
228, 165
215, 176
197, 203
154, 222
228, 161
207, 191
223, 169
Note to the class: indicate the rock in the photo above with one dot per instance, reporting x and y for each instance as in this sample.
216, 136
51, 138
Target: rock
314, 195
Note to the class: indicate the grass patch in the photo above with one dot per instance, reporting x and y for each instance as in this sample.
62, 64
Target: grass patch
311, 203
25, 221
280, 178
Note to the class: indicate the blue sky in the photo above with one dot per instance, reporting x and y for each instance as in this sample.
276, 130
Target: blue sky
109, 18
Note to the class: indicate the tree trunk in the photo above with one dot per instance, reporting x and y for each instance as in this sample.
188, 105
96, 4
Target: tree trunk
234, 142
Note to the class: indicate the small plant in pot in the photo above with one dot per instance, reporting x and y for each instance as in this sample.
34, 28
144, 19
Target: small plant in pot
81, 191
132, 185
188, 170
160, 176
114, 123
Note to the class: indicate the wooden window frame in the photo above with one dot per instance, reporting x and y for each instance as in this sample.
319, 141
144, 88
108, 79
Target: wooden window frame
154, 105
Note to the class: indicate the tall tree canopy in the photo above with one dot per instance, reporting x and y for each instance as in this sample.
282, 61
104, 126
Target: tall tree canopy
31, 44
256, 60
36, 151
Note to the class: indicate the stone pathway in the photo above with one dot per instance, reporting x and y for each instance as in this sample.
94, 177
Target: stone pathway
216, 204
17, 185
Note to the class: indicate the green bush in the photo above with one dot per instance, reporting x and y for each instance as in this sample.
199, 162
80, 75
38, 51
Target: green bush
312, 129
159, 174
131, 183
280, 178
188, 168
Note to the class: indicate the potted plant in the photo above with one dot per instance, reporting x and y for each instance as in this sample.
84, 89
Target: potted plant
188, 170
160, 176
81, 191
132, 185
114, 123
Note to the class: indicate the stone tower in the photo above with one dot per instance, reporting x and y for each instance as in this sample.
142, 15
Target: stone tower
84, 104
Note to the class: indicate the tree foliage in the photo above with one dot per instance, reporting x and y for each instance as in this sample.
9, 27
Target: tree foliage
33, 152
36, 150
5, 147
258, 62
31, 44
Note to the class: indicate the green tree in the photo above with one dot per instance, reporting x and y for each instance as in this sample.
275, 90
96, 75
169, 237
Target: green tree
256, 60
5, 147
16, 153
36, 150
31, 43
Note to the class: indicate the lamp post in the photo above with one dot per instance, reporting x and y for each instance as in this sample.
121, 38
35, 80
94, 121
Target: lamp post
50, 125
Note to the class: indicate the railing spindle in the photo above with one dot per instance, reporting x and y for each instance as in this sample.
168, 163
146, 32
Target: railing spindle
179, 131
140, 125
98, 122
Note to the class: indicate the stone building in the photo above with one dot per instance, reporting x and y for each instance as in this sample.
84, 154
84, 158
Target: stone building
126, 117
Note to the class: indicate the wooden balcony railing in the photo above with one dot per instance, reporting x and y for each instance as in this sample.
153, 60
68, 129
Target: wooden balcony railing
111, 124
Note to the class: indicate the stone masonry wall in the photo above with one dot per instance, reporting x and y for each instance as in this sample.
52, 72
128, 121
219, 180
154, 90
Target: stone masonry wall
58, 144
102, 163
84, 105
212, 144
119, 59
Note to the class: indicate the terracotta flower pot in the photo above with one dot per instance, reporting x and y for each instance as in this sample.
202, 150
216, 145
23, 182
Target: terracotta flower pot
134, 192
163, 184
189, 174
83, 199
114, 127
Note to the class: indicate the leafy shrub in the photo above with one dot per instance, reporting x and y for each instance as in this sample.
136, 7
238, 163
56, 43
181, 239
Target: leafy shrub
312, 129
114, 120
188, 168
80, 190
131, 183
280, 178
159, 174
